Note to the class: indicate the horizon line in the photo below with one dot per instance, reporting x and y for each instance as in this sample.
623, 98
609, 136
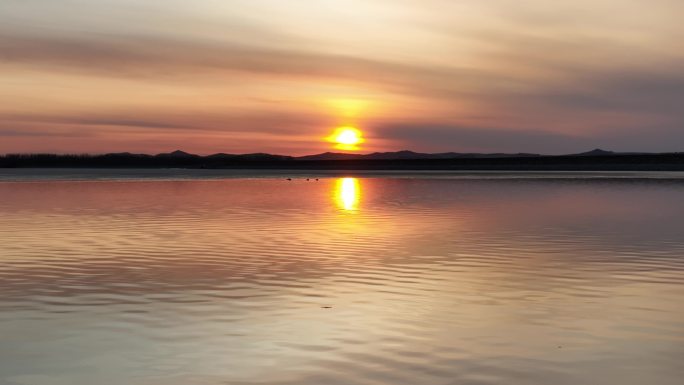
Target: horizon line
342, 153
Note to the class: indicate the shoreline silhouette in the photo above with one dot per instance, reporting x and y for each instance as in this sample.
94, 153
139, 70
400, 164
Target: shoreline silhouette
596, 160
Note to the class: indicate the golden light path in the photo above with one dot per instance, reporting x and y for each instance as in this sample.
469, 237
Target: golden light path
347, 194
346, 138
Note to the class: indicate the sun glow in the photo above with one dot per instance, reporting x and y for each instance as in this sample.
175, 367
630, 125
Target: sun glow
347, 194
346, 138
348, 108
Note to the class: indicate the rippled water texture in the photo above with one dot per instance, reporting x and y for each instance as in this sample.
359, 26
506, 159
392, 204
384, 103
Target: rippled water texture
395, 281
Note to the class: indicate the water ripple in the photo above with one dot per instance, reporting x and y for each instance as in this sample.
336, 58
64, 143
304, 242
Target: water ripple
420, 281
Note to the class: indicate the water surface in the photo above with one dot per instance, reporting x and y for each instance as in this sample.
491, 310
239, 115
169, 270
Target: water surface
445, 279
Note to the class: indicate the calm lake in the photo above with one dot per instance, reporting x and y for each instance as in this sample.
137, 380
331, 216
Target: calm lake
215, 277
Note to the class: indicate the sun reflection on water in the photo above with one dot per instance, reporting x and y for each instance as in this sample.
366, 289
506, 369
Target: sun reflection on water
347, 194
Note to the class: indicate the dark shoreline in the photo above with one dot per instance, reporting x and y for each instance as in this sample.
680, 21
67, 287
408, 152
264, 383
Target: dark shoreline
636, 162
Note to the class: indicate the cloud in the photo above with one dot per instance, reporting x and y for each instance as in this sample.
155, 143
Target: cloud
163, 57
438, 137
161, 121
656, 93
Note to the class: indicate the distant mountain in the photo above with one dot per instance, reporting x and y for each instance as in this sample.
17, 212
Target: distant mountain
600, 152
177, 154
595, 160
262, 156
254, 156
126, 154
393, 155
330, 156
453, 155
221, 155
595, 152
404, 154
408, 155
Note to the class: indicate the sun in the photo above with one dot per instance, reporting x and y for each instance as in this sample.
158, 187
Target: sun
346, 138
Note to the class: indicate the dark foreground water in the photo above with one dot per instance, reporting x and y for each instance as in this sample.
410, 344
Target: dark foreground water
446, 279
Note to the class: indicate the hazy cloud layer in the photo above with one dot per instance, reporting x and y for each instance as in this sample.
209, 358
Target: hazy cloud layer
487, 139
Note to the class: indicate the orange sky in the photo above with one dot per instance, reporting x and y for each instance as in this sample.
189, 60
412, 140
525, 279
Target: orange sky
243, 76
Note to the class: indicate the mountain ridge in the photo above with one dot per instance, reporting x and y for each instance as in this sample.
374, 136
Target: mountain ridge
595, 160
390, 155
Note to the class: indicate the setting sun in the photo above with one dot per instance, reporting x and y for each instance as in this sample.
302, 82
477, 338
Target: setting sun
346, 138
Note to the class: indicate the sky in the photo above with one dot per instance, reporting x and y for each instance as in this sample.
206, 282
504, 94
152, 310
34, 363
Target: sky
242, 76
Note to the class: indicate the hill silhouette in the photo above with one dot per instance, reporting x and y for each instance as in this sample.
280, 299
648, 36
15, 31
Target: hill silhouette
409, 155
400, 160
